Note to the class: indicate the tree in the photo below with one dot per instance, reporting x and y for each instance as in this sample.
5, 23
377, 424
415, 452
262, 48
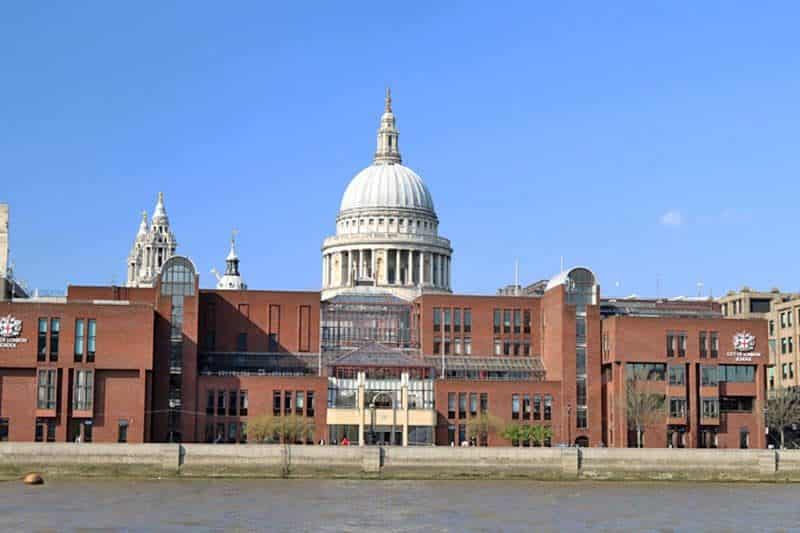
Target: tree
513, 432
479, 427
783, 409
283, 429
540, 434
643, 408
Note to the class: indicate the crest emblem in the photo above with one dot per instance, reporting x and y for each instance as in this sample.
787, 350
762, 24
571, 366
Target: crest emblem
744, 341
10, 327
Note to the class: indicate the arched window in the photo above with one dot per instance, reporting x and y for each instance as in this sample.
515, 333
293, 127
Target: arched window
177, 277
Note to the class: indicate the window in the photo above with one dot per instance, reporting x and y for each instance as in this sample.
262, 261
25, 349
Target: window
498, 347
232, 403
710, 407
437, 345
791, 370
497, 321
55, 328
506, 320
517, 321
677, 407
233, 427
526, 321
737, 373
241, 342
580, 329
791, 347
451, 405
276, 402
670, 345
467, 320
580, 391
526, 348
703, 345
41, 346
783, 371
83, 390
46, 395
243, 403
45, 430
79, 339
210, 402
287, 402
473, 404
516, 346
526, 406
3, 429
462, 405
537, 407
677, 375
744, 439
506, 347
221, 403
122, 431
580, 417
548, 407
580, 360
515, 406
647, 371
91, 342
457, 346
484, 399
437, 319
736, 404
447, 320
708, 376
451, 433
682, 345
456, 320
714, 345
243, 432
310, 403
447, 345
299, 403
783, 345
789, 315
771, 328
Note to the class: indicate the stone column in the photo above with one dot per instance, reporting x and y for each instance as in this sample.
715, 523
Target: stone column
409, 267
420, 271
372, 268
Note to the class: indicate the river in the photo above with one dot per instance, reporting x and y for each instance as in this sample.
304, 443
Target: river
334, 505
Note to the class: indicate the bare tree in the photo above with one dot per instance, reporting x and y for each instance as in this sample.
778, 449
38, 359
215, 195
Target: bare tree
643, 407
283, 429
783, 409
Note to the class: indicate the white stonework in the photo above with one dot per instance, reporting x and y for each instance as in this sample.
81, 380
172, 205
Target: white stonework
232, 279
152, 247
387, 230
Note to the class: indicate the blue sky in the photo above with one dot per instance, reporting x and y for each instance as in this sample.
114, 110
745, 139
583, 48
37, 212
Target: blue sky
644, 140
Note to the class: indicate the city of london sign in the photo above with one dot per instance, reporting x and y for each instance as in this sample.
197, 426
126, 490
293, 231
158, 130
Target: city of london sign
744, 344
10, 330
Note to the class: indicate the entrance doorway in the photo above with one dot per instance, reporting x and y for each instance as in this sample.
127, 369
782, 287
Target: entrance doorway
382, 436
79, 430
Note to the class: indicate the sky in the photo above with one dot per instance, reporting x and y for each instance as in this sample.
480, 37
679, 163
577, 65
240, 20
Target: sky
654, 142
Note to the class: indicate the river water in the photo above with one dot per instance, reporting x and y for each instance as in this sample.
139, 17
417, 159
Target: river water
332, 505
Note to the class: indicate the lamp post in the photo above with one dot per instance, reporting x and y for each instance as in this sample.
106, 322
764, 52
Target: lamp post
569, 424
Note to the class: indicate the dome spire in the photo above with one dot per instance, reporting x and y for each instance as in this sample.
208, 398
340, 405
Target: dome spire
160, 213
388, 152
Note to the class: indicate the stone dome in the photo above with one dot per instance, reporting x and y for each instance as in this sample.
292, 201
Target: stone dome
387, 186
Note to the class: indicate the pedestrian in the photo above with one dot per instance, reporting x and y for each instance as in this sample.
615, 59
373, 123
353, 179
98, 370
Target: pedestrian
345, 442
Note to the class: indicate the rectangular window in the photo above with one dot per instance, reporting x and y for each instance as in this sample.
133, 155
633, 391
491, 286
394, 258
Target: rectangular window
526, 321
526, 406
451, 433
456, 320
498, 347
91, 342
232, 403
783, 345
241, 342
447, 320
506, 320
287, 402
55, 329
274, 338
736, 404
467, 320
457, 346
771, 328
647, 371
526, 348
233, 427
515, 406
467, 346
462, 405
703, 341
310, 403
83, 390
516, 348
451, 405
243, 403
714, 345
210, 402
305, 328
581, 421
484, 402
677, 407
447, 345
41, 346
783, 320
791, 344
45, 430
462, 433
710, 407
473, 404
580, 360
677, 375
276, 402
122, 431
221, 403
243, 432
548, 407
79, 334
517, 321
580, 329
737, 373
437, 345
682, 345
506, 347
496, 321
537, 407
3, 429
580, 391
46, 395
437, 319
709, 376
670, 345
299, 403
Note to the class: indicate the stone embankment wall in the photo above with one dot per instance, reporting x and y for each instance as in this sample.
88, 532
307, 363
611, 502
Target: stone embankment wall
269, 461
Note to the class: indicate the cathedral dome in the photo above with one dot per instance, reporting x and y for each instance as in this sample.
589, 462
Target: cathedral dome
389, 186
